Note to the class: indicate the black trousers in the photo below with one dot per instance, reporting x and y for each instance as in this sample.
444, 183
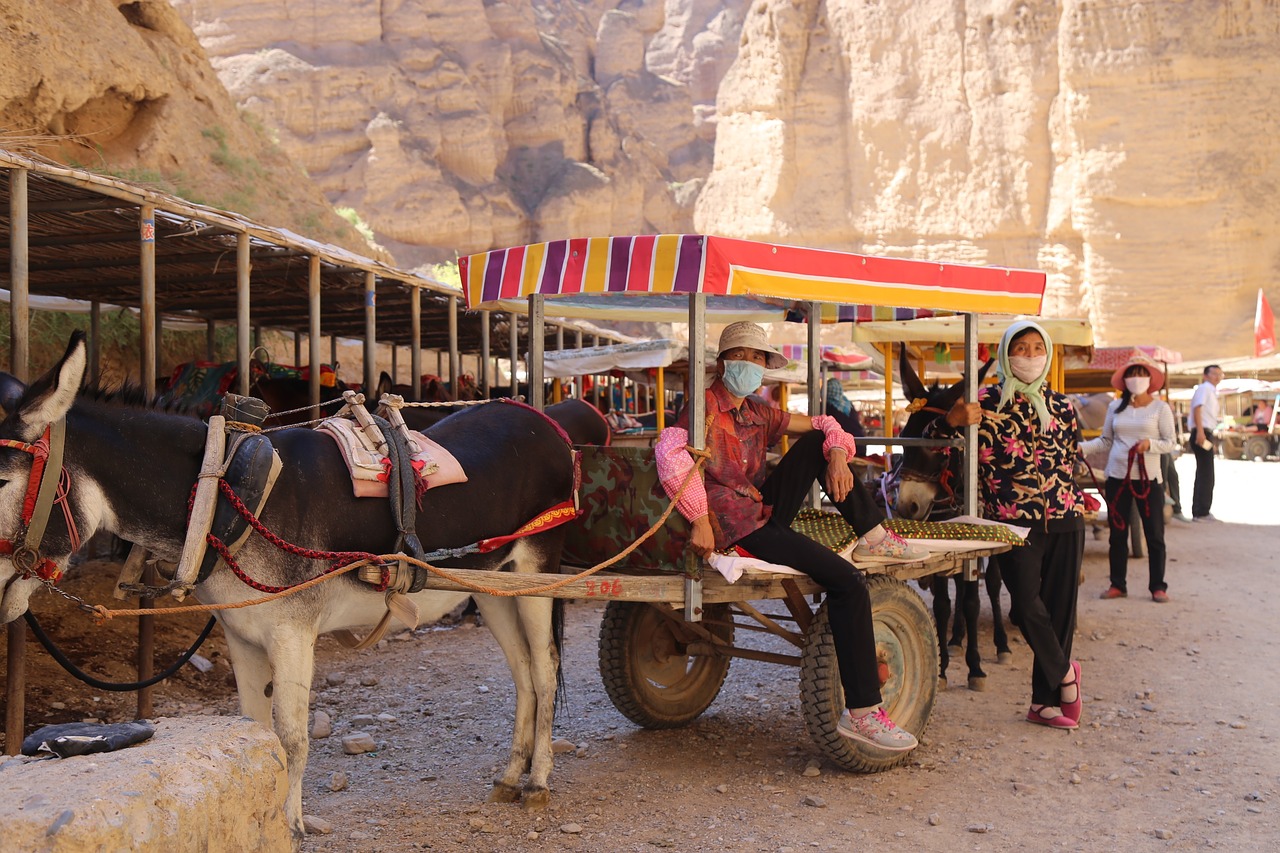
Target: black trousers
1202, 493
1151, 511
1043, 577
848, 602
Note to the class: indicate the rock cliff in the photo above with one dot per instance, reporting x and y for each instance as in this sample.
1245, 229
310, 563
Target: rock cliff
124, 88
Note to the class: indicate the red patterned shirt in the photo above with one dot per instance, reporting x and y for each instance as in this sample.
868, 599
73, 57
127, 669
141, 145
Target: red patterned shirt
738, 439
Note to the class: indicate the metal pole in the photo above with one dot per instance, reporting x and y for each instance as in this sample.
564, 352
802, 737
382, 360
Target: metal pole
595, 386
313, 338
395, 363
485, 363
537, 341
814, 358
454, 370
557, 387
333, 352
512, 347
415, 344
577, 380
697, 403
370, 331
244, 335
19, 355
210, 340
888, 393
150, 331
971, 432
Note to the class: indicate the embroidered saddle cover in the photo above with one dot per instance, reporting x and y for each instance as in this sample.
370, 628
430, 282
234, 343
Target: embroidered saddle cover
369, 468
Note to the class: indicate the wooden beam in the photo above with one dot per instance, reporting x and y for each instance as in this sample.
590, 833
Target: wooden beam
313, 338
19, 355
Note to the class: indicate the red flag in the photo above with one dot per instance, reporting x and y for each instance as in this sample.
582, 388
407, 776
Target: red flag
1264, 328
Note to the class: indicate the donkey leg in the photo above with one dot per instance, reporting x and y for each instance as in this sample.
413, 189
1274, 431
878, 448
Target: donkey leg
503, 621
252, 669
941, 617
1003, 653
958, 624
292, 666
969, 603
537, 620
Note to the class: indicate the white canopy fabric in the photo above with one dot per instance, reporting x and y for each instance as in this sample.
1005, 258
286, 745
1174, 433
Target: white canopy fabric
642, 355
950, 330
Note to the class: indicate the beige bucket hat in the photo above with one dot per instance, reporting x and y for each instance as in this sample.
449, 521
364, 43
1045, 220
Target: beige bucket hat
751, 335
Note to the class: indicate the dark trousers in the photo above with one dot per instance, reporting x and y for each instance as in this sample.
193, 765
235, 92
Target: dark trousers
848, 602
1151, 510
1202, 494
1043, 576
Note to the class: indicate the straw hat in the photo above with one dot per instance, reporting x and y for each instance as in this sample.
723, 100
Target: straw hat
1157, 375
748, 334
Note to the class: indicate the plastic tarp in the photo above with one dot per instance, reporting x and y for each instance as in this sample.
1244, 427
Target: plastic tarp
680, 264
641, 356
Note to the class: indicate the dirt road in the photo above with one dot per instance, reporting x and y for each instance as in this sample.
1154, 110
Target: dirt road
1177, 750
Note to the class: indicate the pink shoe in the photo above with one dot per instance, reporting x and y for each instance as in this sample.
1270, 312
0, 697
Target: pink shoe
1074, 709
1039, 714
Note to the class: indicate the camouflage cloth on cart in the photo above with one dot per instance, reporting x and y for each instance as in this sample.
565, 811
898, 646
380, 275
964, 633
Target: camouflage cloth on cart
622, 498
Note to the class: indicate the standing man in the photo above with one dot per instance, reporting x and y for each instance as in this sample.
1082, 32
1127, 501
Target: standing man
1201, 423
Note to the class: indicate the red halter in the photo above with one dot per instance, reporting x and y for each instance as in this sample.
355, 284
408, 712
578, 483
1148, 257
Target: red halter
42, 493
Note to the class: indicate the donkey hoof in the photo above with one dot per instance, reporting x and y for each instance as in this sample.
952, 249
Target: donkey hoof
1004, 657
536, 799
955, 650
504, 793
978, 683
942, 682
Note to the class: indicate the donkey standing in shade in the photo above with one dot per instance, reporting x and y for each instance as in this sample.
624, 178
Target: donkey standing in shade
130, 469
930, 481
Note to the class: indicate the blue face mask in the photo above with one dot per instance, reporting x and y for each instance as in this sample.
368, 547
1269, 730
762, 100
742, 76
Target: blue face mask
742, 377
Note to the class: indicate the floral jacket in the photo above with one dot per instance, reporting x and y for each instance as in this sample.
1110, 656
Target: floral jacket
1026, 471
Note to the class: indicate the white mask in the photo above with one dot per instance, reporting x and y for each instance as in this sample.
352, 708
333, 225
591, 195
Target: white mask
1028, 368
1137, 384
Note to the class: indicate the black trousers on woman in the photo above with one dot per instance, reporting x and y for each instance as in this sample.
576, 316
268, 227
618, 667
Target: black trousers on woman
1151, 509
848, 602
1043, 576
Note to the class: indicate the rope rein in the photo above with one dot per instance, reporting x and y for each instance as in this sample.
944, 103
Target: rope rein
357, 559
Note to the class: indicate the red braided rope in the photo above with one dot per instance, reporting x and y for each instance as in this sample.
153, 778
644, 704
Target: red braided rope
1141, 491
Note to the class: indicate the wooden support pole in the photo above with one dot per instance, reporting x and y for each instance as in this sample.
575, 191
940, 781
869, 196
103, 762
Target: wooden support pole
537, 338
454, 369
485, 363
513, 345
150, 332
19, 355
244, 335
415, 344
370, 331
313, 337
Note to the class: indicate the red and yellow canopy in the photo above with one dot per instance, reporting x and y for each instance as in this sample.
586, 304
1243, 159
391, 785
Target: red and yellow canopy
720, 266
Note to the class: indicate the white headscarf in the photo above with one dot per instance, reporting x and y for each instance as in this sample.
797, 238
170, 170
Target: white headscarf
1033, 391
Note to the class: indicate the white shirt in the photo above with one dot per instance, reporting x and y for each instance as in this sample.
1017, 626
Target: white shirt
1123, 430
1206, 397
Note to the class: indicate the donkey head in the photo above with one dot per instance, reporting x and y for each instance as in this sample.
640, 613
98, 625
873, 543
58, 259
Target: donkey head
925, 473
28, 412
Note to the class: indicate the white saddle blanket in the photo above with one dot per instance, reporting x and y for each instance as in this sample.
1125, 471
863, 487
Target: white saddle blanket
437, 466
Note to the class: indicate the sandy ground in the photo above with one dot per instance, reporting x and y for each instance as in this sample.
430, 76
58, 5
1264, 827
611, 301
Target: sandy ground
1177, 748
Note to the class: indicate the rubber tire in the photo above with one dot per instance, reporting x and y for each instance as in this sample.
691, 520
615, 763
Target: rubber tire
907, 641
646, 672
1255, 447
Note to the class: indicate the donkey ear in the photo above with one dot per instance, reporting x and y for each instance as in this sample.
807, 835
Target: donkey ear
11, 391
50, 397
384, 386
911, 384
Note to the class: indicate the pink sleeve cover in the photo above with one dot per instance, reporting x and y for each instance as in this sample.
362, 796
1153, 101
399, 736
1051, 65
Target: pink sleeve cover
674, 464
835, 437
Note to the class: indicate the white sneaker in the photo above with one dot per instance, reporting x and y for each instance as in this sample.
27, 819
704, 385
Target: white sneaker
1207, 517
876, 729
891, 549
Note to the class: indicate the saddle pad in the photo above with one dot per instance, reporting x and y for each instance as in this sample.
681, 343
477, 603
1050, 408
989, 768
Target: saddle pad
368, 467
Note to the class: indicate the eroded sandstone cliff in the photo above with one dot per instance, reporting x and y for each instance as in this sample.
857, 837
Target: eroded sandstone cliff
124, 88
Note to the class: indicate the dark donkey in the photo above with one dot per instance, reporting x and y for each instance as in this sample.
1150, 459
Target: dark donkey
130, 469
929, 483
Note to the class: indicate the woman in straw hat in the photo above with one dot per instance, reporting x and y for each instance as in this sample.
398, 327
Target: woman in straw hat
735, 504
1139, 428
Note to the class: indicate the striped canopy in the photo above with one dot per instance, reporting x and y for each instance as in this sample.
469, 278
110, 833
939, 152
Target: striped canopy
722, 266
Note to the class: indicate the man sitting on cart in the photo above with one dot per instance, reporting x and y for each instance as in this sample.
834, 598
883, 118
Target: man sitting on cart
739, 506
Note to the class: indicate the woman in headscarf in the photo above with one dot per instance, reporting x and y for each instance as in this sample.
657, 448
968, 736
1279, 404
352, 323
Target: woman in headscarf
1028, 441
839, 407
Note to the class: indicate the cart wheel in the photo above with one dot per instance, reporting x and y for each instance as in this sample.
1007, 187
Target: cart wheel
647, 671
1256, 447
907, 651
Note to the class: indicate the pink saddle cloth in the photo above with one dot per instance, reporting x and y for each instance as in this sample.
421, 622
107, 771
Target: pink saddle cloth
369, 469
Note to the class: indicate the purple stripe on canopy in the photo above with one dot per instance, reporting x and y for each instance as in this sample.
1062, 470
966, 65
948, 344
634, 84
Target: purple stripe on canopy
493, 275
553, 266
619, 264
689, 267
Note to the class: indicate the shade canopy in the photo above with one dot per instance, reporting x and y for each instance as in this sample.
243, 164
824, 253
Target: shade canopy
644, 266
950, 330
641, 356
